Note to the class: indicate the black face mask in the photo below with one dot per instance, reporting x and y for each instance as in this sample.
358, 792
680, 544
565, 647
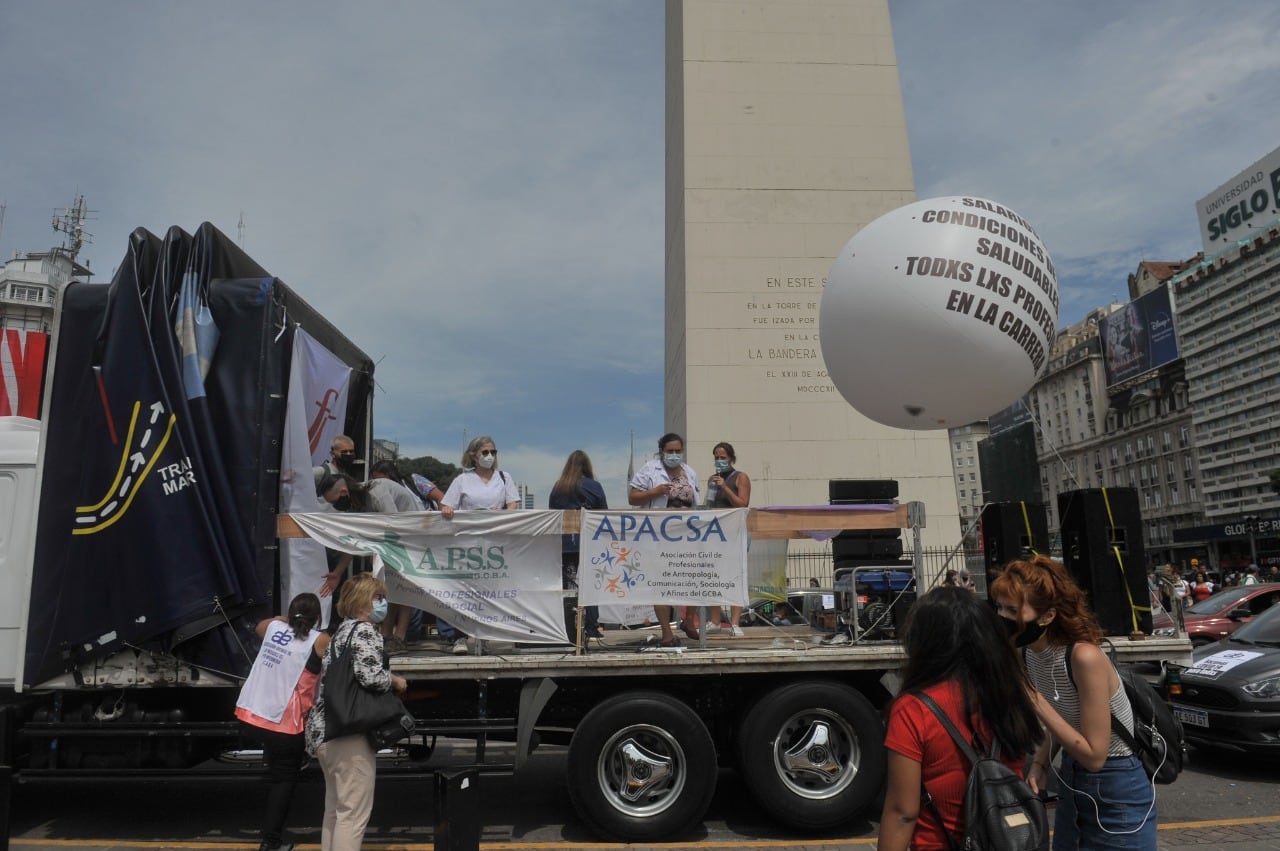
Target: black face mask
346, 463
343, 503
1024, 634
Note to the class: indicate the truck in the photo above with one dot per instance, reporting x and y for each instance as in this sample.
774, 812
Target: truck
140, 533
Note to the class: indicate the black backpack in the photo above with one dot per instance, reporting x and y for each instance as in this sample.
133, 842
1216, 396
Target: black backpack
1157, 737
1001, 813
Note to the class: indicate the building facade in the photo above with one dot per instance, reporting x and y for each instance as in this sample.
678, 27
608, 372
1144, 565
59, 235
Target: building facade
29, 287
1229, 325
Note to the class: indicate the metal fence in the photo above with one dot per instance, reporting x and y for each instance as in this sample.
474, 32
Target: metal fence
819, 565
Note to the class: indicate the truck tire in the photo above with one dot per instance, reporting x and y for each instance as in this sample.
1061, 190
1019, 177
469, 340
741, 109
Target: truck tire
812, 753
642, 767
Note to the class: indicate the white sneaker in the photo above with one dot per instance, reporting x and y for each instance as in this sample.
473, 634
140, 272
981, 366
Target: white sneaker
460, 647
734, 630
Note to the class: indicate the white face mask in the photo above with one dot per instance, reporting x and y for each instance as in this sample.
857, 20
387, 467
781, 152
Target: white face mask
672, 459
486, 461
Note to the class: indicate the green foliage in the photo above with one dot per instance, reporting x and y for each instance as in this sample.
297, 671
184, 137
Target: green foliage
434, 469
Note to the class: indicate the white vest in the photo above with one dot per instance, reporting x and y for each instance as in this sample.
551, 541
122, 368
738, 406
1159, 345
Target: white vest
276, 671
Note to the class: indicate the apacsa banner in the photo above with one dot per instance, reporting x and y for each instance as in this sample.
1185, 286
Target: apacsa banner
694, 558
494, 575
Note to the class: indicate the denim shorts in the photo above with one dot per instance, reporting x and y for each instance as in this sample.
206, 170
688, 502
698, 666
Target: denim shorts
1111, 808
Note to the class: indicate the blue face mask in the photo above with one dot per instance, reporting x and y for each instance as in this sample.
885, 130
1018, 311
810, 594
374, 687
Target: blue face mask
672, 459
379, 613
722, 465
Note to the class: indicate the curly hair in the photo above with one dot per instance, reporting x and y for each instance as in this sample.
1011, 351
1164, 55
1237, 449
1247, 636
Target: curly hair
1046, 584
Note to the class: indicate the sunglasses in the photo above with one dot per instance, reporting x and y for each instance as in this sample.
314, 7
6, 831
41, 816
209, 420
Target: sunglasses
487, 453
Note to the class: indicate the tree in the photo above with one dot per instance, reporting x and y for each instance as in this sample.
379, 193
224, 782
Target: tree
433, 468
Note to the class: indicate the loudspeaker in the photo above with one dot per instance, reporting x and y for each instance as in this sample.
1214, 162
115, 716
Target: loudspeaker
866, 545
855, 491
1007, 531
1102, 548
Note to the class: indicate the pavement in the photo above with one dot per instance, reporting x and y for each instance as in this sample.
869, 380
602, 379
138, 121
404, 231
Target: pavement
1242, 834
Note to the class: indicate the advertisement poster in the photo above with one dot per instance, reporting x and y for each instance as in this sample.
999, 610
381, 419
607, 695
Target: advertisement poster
1138, 337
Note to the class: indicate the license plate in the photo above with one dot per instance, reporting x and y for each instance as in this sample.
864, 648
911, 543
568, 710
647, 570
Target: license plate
1194, 717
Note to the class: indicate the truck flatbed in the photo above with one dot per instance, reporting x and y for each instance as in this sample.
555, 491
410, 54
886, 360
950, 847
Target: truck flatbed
761, 650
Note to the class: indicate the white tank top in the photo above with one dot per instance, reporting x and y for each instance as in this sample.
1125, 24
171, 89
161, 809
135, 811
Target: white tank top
276, 671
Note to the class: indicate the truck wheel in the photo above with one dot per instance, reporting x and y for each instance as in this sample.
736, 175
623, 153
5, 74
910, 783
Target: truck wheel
642, 767
813, 753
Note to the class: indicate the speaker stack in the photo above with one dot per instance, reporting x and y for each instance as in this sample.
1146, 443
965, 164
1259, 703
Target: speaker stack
1102, 548
859, 548
1010, 531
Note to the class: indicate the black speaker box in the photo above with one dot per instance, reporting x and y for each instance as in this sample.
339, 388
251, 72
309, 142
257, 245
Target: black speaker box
1102, 548
875, 546
855, 491
1007, 533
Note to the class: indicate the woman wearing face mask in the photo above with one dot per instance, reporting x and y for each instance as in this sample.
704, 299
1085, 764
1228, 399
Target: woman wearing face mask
1107, 798
481, 486
666, 482
728, 488
348, 762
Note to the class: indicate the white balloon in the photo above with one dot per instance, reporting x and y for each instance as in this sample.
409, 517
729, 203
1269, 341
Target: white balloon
939, 313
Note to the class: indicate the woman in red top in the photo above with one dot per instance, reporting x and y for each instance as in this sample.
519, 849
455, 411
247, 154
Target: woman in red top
958, 653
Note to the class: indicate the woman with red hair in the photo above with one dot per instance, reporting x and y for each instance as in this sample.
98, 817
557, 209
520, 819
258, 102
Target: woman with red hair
1107, 798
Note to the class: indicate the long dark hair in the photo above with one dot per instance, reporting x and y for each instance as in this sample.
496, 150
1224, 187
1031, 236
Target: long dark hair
304, 613
576, 468
359, 493
388, 469
951, 634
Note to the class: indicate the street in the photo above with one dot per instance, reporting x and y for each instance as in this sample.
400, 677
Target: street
1220, 800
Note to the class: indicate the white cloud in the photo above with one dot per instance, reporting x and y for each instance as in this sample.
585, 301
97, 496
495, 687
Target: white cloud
474, 192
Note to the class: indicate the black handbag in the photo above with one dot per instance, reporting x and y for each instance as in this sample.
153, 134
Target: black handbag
351, 708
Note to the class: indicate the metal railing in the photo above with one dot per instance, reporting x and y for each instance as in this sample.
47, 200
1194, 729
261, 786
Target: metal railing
805, 566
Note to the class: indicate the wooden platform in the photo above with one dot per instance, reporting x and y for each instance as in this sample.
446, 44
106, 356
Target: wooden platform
761, 649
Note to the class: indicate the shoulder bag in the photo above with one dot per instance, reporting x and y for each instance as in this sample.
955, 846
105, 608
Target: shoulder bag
350, 708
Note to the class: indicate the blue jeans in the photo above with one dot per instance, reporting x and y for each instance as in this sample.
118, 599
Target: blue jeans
1124, 815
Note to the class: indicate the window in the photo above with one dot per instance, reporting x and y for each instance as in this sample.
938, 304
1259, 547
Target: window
18, 292
963, 493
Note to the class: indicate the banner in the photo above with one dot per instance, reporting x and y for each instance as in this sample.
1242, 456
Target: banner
22, 355
664, 558
1138, 337
492, 574
318, 383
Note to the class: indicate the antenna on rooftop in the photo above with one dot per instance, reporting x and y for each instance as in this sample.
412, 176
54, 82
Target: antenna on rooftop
240, 230
1, 218
70, 221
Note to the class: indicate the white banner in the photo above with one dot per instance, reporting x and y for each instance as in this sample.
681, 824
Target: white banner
316, 412
673, 558
492, 574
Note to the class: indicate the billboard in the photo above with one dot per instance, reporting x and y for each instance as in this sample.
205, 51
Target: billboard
1138, 337
1241, 205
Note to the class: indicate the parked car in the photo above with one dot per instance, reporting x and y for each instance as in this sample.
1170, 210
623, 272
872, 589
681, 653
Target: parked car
1230, 696
1219, 616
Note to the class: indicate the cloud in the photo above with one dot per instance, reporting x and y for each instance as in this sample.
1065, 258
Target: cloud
474, 192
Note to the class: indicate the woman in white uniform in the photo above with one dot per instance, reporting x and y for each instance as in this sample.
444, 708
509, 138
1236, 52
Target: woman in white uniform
666, 482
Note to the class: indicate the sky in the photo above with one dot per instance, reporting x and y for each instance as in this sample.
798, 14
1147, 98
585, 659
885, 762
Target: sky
473, 192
